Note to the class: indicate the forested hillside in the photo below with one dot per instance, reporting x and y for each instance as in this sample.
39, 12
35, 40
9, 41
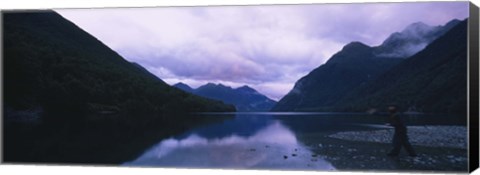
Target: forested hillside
69, 98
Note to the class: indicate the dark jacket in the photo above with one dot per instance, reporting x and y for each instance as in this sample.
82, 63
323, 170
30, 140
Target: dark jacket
397, 122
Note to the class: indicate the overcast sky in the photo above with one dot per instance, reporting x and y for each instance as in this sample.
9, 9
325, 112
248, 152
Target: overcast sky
266, 47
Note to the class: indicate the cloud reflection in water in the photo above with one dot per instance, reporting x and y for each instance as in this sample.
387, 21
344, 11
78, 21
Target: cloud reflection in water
263, 150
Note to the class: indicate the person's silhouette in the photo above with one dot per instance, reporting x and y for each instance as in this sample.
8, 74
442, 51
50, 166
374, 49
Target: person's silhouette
400, 137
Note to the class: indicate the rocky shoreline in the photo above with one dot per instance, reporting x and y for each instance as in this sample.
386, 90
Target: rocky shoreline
436, 146
430, 136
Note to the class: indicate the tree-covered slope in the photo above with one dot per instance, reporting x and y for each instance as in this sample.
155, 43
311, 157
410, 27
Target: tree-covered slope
434, 80
68, 98
412, 39
48, 59
354, 65
184, 87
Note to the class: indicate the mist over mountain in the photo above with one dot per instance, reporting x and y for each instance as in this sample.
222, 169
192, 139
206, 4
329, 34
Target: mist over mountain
245, 98
412, 39
357, 65
432, 81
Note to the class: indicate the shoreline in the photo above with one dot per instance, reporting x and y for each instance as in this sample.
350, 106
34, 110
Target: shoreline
361, 154
429, 135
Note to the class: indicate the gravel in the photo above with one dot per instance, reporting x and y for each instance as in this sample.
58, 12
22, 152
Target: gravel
431, 136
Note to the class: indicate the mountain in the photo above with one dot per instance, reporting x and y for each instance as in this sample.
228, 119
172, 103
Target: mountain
49, 55
69, 98
355, 65
433, 80
412, 39
145, 71
184, 87
244, 98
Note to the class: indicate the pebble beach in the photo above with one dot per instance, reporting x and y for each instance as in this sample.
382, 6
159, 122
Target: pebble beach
431, 136
439, 149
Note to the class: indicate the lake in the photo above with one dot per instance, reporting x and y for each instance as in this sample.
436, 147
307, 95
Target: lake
265, 140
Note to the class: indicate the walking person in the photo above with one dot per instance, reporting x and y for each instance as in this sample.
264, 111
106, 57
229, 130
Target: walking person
400, 138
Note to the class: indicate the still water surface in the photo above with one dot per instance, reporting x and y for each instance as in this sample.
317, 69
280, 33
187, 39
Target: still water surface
264, 140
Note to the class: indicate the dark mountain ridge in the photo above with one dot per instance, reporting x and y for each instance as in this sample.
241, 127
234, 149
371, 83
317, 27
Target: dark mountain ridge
184, 87
412, 39
245, 98
355, 65
433, 80
43, 51
68, 98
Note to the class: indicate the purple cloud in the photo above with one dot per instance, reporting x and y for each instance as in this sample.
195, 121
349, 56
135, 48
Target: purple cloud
266, 47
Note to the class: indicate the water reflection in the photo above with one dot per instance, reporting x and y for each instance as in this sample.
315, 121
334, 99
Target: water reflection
266, 140
273, 146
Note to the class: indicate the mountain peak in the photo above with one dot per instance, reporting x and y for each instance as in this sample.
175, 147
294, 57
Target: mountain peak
350, 52
452, 23
221, 85
183, 86
208, 85
356, 45
417, 27
214, 86
412, 39
180, 84
413, 31
417, 30
244, 98
246, 88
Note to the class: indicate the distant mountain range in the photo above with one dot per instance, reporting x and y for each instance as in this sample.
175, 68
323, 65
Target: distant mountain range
360, 77
243, 98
